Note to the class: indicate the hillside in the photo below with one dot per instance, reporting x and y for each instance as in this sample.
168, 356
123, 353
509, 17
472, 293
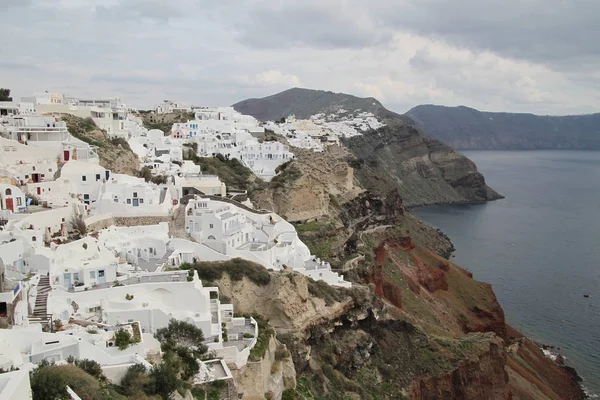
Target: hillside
115, 154
397, 155
414, 326
306, 102
467, 128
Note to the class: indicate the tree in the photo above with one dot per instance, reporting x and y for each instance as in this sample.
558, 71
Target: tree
46, 384
5, 95
182, 334
122, 339
135, 381
78, 224
165, 376
89, 366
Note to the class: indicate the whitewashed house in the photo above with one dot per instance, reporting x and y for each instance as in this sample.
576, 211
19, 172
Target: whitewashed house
83, 264
142, 246
86, 180
13, 297
12, 198
131, 195
15, 385
167, 107
262, 237
153, 299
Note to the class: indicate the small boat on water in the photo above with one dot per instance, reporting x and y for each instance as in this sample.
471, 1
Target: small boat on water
586, 295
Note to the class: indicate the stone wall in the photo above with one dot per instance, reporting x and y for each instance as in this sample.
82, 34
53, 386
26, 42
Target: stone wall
127, 221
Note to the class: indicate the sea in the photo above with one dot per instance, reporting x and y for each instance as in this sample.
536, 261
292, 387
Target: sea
539, 247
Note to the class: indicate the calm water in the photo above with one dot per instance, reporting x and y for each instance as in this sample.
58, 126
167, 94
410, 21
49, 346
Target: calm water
539, 247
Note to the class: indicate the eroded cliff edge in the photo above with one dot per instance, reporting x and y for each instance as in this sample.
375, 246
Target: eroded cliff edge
398, 155
413, 326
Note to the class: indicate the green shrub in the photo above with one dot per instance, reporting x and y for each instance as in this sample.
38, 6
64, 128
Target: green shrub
289, 394
248, 335
89, 366
237, 269
326, 292
182, 334
134, 381
50, 381
265, 332
120, 142
123, 339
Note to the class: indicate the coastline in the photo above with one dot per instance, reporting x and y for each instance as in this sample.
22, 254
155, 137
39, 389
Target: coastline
549, 351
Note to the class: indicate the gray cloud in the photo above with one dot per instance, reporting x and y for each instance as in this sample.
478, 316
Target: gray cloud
515, 55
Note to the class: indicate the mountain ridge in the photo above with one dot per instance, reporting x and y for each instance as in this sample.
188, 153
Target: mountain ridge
468, 128
424, 170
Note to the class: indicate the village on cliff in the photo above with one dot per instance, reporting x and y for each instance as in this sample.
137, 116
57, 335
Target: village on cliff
89, 256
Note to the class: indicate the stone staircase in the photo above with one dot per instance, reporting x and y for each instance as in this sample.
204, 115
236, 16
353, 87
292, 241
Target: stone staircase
163, 260
177, 226
40, 310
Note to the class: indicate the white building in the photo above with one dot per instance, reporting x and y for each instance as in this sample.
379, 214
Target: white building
153, 299
108, 113
167, 107
261, 237
83, 264
15, 385
13, 296
12, 199
86, 180
8, 108
130, 195
224, 131
142, 246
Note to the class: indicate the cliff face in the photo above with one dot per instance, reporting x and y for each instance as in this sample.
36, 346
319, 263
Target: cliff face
115, 155
467, 128
414, 325
320, 180
423, 169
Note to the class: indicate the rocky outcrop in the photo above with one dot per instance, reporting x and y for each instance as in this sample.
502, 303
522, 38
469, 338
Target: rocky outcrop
285, 301
115, 154
271, 376
323, 181
424, 170
481, 377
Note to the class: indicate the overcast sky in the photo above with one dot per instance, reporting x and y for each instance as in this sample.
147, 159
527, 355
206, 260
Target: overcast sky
540, 56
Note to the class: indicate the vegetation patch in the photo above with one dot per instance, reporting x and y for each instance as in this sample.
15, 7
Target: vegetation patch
237, 269
265, 332
287, 175
326, 292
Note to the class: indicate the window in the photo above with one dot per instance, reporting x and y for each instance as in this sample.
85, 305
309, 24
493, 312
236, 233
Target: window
116, 199
76, 276
211, 226
49, 169
128, 201
34, 168
141, 201
86, 196
33, 239
8, 192
26, 176
97, 177
135, 195
19, 201
92, 274
101, 273
83, 178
